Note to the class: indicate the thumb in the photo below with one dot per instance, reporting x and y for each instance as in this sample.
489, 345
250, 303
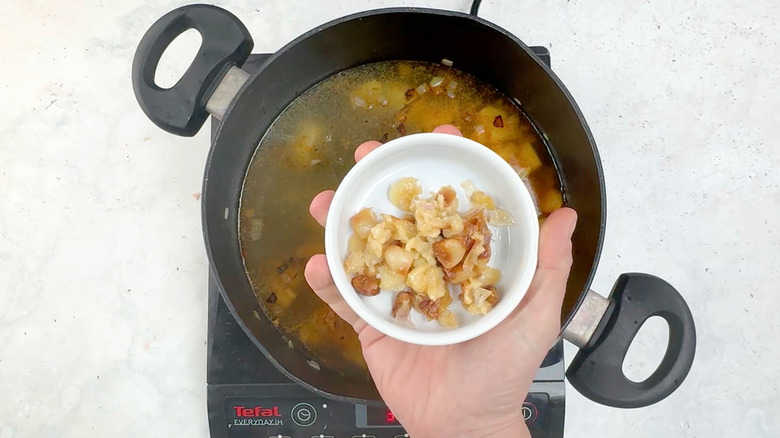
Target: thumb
545, 296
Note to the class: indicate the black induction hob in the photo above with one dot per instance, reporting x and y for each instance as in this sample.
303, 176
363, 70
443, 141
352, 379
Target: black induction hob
248, 397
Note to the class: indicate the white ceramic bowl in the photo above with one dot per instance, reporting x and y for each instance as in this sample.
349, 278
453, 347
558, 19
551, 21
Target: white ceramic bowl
436, 160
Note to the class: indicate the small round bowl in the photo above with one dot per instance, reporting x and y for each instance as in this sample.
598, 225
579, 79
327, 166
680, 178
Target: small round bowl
436, 160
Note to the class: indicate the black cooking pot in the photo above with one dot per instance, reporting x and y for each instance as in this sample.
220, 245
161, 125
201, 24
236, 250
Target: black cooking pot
603, 328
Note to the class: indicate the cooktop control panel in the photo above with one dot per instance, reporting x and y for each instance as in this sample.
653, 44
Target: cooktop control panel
310, 417
307, 417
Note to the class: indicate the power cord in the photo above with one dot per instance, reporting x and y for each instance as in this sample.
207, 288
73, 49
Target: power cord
475, 7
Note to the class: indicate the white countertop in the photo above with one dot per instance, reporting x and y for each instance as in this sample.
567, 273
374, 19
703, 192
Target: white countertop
102, 266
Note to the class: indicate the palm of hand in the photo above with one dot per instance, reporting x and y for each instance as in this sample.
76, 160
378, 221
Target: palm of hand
477, 386
481, 383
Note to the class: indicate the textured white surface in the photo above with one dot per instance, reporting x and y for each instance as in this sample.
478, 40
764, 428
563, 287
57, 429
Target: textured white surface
102, 268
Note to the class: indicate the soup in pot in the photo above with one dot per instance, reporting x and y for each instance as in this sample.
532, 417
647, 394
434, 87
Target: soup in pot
309, 148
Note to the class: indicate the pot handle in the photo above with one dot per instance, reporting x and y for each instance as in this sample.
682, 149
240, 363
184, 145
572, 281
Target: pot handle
181, 109
597, 369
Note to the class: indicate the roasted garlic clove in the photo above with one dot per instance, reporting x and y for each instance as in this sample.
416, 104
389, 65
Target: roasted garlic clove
399, 259
365, 285
403, 192
362, 222
449, 252
402, 305
390, 280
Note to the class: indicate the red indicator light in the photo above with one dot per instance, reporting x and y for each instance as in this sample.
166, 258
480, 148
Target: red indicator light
380, 416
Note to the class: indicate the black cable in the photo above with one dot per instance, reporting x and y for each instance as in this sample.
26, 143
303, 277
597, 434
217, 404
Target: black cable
475, 7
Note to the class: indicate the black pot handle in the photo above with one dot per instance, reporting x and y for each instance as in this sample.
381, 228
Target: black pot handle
597, 370
181, 109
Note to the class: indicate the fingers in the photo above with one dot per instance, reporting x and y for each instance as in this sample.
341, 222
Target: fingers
545, 296
319, 206
448, 129
318, 276
365, 148
555, 241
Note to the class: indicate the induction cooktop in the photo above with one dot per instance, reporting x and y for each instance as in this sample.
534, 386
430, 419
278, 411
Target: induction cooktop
249, 397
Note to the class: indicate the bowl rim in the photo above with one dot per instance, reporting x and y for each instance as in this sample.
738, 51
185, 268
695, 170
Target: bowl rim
410, 335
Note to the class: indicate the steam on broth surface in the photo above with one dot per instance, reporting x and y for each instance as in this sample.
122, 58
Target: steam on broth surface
309, 148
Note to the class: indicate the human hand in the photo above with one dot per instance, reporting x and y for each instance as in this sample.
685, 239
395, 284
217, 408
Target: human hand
475, 388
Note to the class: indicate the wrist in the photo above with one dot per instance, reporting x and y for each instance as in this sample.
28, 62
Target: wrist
516, 428
512, 428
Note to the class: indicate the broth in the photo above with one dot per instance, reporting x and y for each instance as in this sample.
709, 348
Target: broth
309, 148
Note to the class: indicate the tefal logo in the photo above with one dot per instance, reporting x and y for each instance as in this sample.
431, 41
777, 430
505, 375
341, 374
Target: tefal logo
257, 411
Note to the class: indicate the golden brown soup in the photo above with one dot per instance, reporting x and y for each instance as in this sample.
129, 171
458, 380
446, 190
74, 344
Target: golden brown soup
309, 148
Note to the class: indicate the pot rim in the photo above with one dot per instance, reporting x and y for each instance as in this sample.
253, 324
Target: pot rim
357, 16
